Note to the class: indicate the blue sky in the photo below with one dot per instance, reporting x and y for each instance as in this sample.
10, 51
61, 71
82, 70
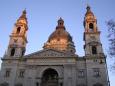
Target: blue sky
42, 19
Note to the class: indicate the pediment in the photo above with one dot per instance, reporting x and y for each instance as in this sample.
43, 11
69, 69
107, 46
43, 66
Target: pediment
49, 53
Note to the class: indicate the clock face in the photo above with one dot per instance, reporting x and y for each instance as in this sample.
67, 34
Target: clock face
92, 37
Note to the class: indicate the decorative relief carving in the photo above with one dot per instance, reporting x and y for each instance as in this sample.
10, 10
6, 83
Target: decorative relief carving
49, 53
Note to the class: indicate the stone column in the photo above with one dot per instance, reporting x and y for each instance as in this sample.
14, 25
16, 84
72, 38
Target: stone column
60, 80
39, 81
29, 80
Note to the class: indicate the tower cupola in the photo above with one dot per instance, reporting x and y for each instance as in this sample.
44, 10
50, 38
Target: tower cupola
90, 21
89, 12
60, 22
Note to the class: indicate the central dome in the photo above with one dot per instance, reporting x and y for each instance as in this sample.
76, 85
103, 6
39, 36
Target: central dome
60, 34
60, 39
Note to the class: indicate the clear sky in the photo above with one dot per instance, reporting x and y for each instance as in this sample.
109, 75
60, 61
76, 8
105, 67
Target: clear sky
42, 19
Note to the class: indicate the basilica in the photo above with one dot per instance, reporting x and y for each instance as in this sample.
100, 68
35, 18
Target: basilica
56, 64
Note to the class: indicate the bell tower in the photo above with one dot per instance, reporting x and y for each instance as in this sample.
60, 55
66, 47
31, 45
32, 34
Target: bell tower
93, 44
18, 38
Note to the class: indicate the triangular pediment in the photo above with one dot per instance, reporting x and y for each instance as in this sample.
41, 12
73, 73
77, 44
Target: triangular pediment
49, 53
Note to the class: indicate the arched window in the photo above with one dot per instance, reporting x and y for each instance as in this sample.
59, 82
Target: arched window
61, 84
91, 27
96, 72
15, 40
7, 74
37, 84
94, 50
21, 73
18, 30
60, 23
23, 51
12, 52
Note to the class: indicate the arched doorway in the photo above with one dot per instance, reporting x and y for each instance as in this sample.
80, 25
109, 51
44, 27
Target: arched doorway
49, 78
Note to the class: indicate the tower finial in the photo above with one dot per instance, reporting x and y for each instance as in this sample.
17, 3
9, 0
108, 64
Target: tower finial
24, 11
23, 14
60, 18
88, 7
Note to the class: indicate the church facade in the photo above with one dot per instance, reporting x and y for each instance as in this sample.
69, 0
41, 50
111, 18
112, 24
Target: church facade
56, 64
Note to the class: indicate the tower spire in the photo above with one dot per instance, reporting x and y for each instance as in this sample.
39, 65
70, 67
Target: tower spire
89, 12
88, 7
23, 18
23, 14
87, 4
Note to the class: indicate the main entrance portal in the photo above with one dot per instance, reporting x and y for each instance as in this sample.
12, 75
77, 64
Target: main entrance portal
49, 78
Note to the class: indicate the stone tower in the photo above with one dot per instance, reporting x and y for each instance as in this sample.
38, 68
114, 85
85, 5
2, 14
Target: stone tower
95, 58
18, 39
